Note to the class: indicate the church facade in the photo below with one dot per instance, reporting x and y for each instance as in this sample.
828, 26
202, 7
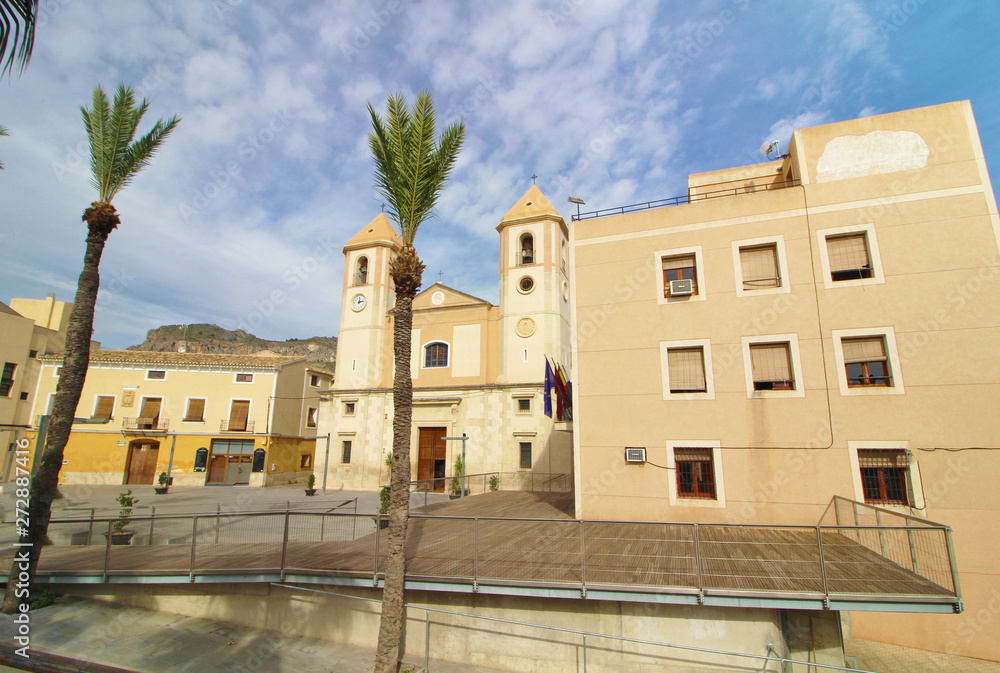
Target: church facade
478, 370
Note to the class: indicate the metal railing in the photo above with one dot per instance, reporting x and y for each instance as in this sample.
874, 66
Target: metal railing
850, 562
483, 482
767, 658
146, 424
687, 198
236, 426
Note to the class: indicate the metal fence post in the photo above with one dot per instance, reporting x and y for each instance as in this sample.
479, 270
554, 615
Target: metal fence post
378, 527
697, 565
427, 641
107, 553
954, 568
881, 533
284, 546
90, 530
854, 505
475, 554
583, 562
218, 511
152, 522
584, 653
913, 547
194, 543
822, 567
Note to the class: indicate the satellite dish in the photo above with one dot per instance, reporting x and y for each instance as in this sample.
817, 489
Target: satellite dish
767, 147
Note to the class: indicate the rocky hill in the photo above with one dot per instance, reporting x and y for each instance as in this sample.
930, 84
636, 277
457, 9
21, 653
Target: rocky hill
319, 351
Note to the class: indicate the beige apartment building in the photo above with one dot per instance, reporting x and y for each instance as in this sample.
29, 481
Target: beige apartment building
29, 328
204, 418
477, 369
823, 324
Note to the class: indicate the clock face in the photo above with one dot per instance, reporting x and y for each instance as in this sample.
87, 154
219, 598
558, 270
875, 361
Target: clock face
525, 327
358, 302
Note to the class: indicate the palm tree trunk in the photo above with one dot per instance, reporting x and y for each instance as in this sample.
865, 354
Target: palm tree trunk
390, 626
74, 371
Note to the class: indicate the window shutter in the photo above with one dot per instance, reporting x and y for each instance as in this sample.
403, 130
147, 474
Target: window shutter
679, 262
770, 362
686, 368
195, 410
882, 458
760, 266
151, 408
868, 349
105, 405
847, 252
686, 454
240, 412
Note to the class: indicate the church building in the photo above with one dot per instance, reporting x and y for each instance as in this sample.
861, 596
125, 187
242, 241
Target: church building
478, 370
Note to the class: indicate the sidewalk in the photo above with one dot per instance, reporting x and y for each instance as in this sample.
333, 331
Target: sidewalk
158, 642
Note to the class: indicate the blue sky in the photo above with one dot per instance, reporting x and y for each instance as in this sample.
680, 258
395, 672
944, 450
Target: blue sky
269, 174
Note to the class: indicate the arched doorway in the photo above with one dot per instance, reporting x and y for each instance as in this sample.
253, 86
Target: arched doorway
142, 459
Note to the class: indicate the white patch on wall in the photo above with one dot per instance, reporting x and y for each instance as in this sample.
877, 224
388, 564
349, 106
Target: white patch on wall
465, 350
876, 152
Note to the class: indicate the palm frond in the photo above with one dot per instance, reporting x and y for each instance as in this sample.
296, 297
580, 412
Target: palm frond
115, 157
17, 19
411, 166
3, 132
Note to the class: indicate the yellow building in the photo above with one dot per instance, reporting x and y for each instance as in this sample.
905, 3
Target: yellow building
823, 324
203, 418
477, 369
28, 328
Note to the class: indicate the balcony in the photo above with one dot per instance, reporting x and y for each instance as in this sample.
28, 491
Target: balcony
236, 426
142, 426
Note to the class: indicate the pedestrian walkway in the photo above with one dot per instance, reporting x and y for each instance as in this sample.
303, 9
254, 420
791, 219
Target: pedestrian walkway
158, 642
884, 658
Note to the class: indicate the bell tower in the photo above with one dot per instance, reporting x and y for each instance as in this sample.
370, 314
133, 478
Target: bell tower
366, 300
534, 289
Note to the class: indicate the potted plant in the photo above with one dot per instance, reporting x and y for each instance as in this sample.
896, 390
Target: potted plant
456, 481
309, 485
383, 508
162, 488
119, 533
495, 482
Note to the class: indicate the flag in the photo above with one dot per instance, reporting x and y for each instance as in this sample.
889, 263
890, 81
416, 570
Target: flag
549, 380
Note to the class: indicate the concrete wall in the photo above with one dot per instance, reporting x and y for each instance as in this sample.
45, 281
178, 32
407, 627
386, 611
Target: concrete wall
802, 636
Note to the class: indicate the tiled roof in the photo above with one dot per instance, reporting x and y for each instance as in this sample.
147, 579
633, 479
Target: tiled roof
180, 359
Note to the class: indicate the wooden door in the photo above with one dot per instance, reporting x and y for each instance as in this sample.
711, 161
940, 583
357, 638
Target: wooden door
142, 463
432, 456
217, 469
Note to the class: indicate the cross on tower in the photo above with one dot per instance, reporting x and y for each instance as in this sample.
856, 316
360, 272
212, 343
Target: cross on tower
440, 275
533, 178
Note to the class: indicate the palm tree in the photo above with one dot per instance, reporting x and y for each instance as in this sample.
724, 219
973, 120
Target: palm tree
411, 168
114, 161
17, 17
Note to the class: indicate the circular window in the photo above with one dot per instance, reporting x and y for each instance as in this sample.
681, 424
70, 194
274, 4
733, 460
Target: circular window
526, 285
565, 291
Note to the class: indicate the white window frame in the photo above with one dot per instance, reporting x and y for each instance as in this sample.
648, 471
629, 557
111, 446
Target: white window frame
517, 403
720, 488
873, 254
706, 346
319, 381
114, 405
187, 406
229, 411
699, 269
779, 243
796, 364
243, 383
888, 335
423, 355
148, 371
915, 480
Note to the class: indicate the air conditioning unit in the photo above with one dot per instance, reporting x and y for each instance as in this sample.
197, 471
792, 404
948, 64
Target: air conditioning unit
681, 288
635, 454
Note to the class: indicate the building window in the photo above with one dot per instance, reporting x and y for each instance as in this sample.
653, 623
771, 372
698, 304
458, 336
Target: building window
679, 268
311, 417
149, 413
24, 396
239, 415
526, 254
526, 285
156, 375
525, 462
32, 354
195, 412
305, 461
759, 267
885, 476
7, 378
849, 257
361, 272
104, 407
524, 405
866, 362
771, 366
314, 380
244, 378
345, 452
349, 408
695, 473
686, 370
436, 355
